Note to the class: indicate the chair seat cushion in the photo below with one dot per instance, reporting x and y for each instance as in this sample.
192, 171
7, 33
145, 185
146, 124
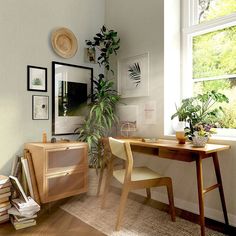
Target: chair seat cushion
138, 174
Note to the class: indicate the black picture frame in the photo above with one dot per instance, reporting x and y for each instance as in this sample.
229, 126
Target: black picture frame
36, 78
71, 87
40, 107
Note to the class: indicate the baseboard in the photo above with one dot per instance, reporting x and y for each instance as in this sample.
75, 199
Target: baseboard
191, 207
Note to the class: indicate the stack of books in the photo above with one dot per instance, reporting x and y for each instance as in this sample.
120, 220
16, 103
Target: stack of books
23, 212
5, 193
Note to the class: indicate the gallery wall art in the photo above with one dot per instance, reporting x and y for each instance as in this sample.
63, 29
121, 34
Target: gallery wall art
133, 76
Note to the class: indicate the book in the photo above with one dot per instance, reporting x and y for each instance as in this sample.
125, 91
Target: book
22, 225
4, 204
25, 168
13, 211
3, 212
5, 190
5, 207
14, 165
7, 184
5, 195
30, 205
17, 186
3, 179
28, 156
22, 218
4, 217
4, 199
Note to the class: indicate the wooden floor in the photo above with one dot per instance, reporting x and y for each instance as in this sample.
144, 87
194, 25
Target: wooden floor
52, 221
55, 221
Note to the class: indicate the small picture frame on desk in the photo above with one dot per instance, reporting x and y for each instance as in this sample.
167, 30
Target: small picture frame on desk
40, 107
36, 78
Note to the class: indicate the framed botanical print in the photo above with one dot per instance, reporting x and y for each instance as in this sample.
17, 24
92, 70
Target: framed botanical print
133, 76
36, 78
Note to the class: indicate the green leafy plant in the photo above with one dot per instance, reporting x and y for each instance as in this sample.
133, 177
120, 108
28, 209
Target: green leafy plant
135, 73
107, 42
202, 110
101, 116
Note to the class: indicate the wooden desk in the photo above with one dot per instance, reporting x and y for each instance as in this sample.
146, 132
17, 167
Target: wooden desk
170, 149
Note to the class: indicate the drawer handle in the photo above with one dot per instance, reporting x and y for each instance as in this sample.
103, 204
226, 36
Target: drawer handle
172, 151
67, 148
67, 173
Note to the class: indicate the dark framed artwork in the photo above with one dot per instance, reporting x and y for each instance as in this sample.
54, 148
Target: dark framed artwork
71, 87
40, 107
36, 78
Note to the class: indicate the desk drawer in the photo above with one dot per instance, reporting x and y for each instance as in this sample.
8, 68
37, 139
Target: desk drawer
178, 155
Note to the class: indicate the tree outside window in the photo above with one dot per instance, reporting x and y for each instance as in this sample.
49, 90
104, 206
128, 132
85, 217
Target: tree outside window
214, 57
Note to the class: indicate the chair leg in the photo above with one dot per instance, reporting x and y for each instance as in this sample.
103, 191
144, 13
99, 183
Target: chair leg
106, 188
148, 191
123, 200
100, 181
171, 200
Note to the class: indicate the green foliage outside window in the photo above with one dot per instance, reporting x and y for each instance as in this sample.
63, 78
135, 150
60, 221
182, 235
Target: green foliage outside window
214, 56
218, 8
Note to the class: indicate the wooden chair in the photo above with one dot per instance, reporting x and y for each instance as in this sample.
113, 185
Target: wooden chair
133, 178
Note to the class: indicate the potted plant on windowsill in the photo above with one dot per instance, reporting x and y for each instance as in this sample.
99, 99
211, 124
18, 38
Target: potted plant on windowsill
101, 117
202, 114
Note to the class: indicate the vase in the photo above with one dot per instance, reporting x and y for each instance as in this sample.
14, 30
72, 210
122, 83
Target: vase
199, 141
179, 132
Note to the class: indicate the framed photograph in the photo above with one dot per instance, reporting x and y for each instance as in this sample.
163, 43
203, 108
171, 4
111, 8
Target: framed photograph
133, 76
71, 87
40, 107
36, 78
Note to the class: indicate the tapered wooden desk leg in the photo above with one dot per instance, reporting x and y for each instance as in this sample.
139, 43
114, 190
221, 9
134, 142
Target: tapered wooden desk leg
219, 181
200, 194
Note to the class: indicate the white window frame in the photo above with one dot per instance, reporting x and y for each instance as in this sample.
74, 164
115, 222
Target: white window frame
189, 30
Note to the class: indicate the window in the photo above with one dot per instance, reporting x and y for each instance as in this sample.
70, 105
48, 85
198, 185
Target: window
212, 9
209, 52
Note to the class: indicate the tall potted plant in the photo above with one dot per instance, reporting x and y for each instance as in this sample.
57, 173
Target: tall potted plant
101, 117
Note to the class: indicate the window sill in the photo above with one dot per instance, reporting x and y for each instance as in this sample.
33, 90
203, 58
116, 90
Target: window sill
214, 139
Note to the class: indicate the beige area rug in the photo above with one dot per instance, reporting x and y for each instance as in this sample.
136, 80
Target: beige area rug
139, 219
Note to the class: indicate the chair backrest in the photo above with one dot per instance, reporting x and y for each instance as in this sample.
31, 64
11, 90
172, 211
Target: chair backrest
118, 148
122, 150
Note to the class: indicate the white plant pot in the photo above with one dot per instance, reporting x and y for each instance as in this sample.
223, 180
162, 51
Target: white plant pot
93, 180
199, 141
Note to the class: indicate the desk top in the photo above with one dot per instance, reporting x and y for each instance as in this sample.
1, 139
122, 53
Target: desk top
173, 144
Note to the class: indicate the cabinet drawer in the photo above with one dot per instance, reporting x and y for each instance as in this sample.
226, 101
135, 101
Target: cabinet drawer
64, 158
176, 154
65, 185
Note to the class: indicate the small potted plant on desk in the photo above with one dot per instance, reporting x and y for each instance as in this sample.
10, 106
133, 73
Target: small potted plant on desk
182, 114
202, 114
101, 116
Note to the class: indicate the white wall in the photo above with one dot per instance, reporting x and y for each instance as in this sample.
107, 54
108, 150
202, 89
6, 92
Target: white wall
25, 40
140, 25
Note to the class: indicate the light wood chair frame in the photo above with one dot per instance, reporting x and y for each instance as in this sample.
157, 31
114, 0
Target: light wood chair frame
129, 185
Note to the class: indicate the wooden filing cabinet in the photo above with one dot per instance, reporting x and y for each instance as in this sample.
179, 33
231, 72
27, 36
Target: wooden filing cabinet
61, 169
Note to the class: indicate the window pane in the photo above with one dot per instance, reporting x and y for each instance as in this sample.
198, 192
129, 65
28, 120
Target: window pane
227, 87
214, 53
211, 9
